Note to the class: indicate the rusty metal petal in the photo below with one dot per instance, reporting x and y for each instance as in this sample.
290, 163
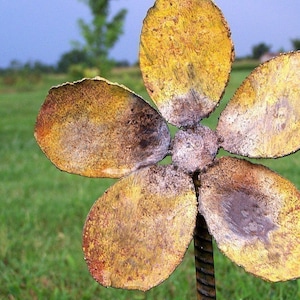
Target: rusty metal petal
254, 215
138, 231
185, 58
263, 117
100, 129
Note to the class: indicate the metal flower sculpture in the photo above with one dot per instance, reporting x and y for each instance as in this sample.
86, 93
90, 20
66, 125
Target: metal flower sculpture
137, 233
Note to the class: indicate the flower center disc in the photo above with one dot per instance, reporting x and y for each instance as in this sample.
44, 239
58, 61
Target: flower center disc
194, 148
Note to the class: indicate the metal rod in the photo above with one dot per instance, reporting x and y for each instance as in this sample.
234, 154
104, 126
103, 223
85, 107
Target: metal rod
204, 261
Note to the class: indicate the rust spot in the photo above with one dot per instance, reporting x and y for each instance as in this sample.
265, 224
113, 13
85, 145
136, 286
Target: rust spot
281, 113
247, 215
191, 71
147, 132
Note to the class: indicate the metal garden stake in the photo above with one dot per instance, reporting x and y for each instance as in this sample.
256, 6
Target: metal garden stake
137, 233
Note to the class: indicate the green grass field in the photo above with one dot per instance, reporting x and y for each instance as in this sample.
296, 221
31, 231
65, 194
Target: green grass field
42, 212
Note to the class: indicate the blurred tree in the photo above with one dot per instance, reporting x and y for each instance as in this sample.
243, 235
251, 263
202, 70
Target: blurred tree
259, 50
296, 44
102, 33
73, 57
122, 63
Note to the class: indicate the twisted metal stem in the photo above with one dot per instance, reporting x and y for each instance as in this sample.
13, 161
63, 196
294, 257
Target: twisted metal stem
204, 261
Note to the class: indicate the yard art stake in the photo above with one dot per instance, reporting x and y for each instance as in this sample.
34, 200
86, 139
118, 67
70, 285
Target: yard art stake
137, 233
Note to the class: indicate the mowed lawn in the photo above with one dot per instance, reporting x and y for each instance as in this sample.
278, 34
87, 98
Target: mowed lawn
42, 212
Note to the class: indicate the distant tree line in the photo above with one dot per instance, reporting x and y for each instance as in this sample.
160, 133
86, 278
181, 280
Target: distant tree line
28, 67
296, 44
80, 57
262, 48
76, 57
24, 75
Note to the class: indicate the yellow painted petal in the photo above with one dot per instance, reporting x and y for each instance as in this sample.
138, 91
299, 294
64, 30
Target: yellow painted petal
138, 231
254, 215
185, 57
99, 129
263, 117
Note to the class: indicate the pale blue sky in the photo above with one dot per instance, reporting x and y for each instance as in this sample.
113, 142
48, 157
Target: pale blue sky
42, 30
